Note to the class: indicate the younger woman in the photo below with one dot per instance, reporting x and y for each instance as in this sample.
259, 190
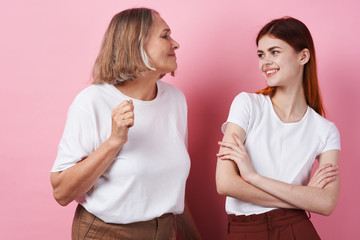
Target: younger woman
271, 139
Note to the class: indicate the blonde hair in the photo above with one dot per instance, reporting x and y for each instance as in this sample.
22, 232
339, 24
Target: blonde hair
122, 56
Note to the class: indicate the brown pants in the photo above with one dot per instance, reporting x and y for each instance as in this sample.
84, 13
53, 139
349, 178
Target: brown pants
87, 226
279, 224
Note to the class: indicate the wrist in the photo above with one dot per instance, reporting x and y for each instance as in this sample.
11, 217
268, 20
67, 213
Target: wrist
115, 143
253, 178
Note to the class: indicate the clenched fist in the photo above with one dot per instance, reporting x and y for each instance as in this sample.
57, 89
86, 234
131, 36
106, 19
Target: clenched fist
122, 119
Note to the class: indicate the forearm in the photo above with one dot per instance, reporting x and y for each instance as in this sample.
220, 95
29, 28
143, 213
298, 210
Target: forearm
229, 183
77, 180
313, 199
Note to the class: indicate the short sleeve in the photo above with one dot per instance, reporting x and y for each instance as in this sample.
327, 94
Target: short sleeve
240, 111
332, 140
76, 142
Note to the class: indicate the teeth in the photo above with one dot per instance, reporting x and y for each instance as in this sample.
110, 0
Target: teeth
271, 71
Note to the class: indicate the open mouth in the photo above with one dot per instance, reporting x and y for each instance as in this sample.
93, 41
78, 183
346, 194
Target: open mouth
271, 72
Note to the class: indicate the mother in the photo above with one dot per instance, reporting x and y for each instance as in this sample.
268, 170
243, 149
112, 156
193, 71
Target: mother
123, 155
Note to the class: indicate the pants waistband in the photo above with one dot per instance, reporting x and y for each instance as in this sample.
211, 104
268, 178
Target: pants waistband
164, 216
272, 219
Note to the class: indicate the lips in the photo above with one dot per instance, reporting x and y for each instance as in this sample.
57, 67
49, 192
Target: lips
271, 71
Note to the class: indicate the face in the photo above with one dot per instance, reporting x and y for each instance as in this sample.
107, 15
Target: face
279, 63
160, 47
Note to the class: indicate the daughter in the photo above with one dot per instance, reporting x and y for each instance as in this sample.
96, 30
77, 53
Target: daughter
271, 140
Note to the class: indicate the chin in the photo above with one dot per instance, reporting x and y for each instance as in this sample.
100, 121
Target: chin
271, 83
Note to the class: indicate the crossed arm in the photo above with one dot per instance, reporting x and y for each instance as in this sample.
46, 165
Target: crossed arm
236, 177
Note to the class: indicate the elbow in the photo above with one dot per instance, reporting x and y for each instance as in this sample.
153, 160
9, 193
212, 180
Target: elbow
61, 199
60, 194
328, 208
326, 212
220, 190
222, 187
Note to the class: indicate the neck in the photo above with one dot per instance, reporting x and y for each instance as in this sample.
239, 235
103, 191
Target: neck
143, 87
290, 104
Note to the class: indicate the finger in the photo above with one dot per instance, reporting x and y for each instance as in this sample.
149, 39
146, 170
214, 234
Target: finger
324, 169
328, 167
326, 175
124, 103
333, 169
229, 152
326, 181
228, 157
123, 109
225, 147
127, 115
127, 123
332, 173
127, 105
228, 145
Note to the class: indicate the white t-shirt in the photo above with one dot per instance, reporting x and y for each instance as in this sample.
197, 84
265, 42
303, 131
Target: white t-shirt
147, 179
278, 150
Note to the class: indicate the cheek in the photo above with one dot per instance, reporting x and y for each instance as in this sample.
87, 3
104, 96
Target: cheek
290, 64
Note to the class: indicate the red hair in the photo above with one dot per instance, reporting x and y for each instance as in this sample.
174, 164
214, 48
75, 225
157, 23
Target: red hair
297, 35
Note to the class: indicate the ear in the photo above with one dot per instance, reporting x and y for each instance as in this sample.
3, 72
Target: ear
304, 56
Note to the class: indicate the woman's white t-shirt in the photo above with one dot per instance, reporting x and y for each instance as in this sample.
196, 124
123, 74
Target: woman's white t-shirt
147, 178
278, 150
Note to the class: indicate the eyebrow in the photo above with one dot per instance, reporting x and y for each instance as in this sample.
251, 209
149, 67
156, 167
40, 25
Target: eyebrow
166, 30
270, 49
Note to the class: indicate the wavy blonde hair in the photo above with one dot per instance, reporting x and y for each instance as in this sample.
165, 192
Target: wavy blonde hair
122, 56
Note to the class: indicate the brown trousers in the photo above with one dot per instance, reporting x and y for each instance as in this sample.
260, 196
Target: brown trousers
87, 226
279, 224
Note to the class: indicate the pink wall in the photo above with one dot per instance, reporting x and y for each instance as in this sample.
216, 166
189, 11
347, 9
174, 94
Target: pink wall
47, 49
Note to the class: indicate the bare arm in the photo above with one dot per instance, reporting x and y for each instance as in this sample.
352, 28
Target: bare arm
314, 199
77, 180
321, 200
230, 183
186, 225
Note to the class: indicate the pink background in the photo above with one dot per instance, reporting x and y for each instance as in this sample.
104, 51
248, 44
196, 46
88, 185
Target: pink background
46, 54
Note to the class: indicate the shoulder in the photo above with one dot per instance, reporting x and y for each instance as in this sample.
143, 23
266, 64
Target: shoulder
89, 92
323, 125
319, 120
250, 98
326, 131
91, 96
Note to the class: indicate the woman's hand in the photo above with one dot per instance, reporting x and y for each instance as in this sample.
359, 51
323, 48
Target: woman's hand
122, 119
75, 181
236, 152
324, 175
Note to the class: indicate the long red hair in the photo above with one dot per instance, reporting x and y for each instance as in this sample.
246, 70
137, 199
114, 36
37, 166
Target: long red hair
297, 35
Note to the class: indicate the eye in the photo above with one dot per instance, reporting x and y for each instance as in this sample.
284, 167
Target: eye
260, 55
274, 52
165, 36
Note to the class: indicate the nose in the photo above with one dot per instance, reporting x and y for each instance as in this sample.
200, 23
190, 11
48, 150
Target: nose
175, 44
266, 61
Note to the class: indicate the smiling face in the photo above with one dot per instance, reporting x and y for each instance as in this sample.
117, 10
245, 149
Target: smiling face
279, 63
160, 47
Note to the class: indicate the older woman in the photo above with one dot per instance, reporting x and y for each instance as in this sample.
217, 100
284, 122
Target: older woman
123, 155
